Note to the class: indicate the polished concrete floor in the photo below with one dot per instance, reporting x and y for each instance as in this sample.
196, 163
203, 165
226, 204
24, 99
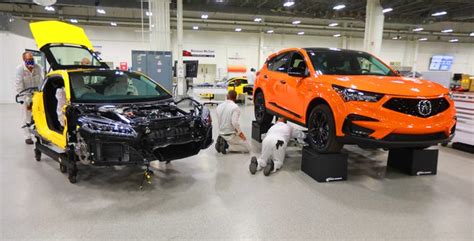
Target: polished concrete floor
213, 196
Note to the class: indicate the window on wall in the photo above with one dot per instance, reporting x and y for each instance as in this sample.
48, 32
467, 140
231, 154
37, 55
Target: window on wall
280, 62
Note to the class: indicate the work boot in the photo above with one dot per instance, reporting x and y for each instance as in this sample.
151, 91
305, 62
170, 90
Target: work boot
253, 165
29, 141
224, 146
268, 168
218, 144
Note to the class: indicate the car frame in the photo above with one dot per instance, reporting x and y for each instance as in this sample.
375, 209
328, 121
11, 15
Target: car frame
357, 109
131, 130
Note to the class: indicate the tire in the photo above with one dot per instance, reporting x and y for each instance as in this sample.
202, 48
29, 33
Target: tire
260, 111
37, 155
322, 130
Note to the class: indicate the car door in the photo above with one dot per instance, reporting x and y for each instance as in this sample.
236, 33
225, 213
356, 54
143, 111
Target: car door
45, 106
294, 88
277, 77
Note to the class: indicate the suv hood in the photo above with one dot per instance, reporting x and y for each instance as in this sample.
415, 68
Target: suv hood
392, 85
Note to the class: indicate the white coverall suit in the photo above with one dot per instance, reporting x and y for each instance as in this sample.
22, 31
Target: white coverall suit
26, 79
275, 142
228, 114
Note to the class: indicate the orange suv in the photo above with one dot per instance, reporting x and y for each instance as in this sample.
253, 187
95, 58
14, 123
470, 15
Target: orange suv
352, 97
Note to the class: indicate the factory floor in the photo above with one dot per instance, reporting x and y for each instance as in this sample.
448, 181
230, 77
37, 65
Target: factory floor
213, 196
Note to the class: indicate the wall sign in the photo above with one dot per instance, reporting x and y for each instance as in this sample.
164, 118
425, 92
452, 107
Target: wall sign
208, 53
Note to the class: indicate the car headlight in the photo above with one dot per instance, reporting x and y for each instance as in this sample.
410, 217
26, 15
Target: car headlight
348, 94
116, 129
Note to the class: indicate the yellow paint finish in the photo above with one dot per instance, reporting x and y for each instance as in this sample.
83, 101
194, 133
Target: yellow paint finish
56, 32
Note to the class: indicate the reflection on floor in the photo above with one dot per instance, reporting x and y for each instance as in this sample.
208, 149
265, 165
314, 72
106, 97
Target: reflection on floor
213, 196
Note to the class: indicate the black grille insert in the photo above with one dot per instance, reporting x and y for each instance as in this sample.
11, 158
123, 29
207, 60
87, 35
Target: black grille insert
424, 137
411, 106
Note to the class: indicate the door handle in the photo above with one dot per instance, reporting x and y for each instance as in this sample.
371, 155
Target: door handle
283, 81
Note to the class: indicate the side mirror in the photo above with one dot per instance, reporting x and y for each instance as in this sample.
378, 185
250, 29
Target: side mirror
298, 72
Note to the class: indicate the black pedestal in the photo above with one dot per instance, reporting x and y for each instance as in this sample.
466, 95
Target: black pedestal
258, 130
324, 167
413, 161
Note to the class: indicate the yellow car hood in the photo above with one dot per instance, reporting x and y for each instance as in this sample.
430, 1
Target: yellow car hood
56, 32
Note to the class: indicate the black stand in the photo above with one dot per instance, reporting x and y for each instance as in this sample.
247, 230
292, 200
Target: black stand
324, 167
414, 162
258, 130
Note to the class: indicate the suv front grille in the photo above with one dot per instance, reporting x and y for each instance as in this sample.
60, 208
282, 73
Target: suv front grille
412, 106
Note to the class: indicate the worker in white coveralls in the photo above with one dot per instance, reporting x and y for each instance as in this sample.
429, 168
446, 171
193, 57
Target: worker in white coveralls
28, 75
231, 138
274, 147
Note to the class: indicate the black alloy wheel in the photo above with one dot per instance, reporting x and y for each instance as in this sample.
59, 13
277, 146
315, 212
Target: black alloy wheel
322, 131
261, 115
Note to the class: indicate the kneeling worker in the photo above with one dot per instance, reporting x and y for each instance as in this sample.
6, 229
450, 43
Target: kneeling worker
230, 136
274, 147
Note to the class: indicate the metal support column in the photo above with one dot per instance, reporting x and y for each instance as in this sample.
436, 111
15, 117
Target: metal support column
374, 21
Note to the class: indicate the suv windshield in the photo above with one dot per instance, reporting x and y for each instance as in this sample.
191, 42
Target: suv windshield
337, 62
113, 86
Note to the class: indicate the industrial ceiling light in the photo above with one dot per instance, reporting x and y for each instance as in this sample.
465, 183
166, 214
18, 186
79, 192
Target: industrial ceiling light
301, 33
73, 20
386, 10
113, 24
219, 1
45, 2
337, 35
257, 19
417, 29
288, 3
423, 39
296, 22
397, 37
449, 30
196, 27
439, 14
471, 34
204, 16
333, 24
454, 40
49, 8
148, 13
270, 31
238, 29
339, 7
100, 11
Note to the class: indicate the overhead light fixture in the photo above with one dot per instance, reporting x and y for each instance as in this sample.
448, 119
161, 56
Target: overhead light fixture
423, 39
296, 22
257, 19
148, 13
219, 1
49, 8
196, 27
454, 40
301, 33
339, 7
270, 31
45, 2
417, 29
113, 24
447, 30
204, 16
439, 14
12, 19
100, 11
386, 10
288, 3
238, 29
397, 38
73, 20
471, 34
337, 35
333, 24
